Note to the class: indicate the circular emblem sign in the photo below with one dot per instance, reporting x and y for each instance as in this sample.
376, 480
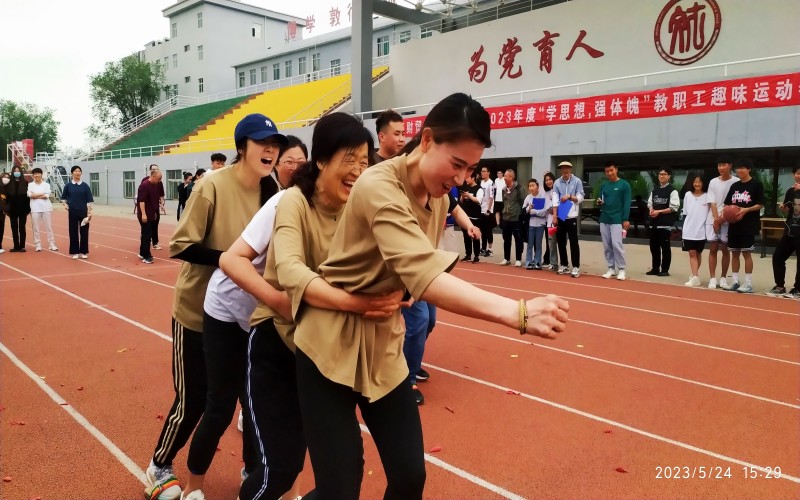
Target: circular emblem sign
686, 30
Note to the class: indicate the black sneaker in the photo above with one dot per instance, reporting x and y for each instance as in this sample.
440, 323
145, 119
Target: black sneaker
422, 375
476, 260
777, 291
488, 253
794, 293
652, 272
466, 258
418, 397
663, 273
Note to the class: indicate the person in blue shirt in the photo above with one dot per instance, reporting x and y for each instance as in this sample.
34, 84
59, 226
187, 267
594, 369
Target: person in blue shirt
77, 199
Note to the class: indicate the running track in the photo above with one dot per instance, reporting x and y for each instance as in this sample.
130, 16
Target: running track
648, 377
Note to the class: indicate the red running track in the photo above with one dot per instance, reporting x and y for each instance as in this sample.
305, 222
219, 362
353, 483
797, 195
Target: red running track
655, 391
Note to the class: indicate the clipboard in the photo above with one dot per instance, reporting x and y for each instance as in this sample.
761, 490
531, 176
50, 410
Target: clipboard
563, 209
537, 203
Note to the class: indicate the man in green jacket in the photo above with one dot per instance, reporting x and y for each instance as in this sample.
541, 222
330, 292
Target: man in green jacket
615, 206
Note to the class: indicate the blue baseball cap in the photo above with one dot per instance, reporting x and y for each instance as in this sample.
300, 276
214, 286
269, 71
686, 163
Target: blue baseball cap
257, 127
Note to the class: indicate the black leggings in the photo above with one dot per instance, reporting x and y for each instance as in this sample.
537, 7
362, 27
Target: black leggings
78, 235
225, 349
275, 411
335, 443
783, 251
18, 229
471, 245
512, 227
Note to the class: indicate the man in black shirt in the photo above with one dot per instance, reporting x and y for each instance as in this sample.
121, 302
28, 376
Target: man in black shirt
748, 194
470, 197
790, 242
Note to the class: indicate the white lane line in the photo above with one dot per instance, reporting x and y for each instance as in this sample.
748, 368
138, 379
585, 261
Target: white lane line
121, 457
171, 261
623, 365
91, 304
463, 474
614, 423
582, 284
650, 311
438, 462
66, 275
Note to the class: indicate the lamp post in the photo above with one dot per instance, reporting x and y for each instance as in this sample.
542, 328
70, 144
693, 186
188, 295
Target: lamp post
106, 184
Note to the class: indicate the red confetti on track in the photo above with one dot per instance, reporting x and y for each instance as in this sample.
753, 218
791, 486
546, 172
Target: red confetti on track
515, 393
449, 409
608, 431
621, 469
80, 388
8, 479
435, 449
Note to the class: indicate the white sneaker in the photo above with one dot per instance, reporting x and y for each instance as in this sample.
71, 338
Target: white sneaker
576, 272
158, 247
38, 248
2, 251
621, 276
563, 270
84, 256
505, 262
240, 423
746, 288
517, 264
53, 248
195, 495
610, 273
712, 283
75, 257
723, 283
693, 281
161, 483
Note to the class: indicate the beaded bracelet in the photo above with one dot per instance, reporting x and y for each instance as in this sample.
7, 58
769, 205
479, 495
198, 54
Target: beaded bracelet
523, 316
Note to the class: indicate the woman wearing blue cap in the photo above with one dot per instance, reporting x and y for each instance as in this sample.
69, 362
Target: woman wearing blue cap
216, 213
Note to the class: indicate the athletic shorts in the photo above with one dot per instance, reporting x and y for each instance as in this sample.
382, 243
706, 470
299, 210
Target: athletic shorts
741, 242
498, 207
712, 236
697, 245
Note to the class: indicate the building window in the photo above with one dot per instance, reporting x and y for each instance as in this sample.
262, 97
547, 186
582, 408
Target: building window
186, 48
129, 184
199, 19
166, 63
405, 36
301, 65
426, 33
276, 71
175, 90
241, 79
174, 30
315, 62
263, 74
199, 52
383, 46
252, 76
187, 79
200, 87
174, 177
288, 69
255, 31
94, 183
336, 67
174, 60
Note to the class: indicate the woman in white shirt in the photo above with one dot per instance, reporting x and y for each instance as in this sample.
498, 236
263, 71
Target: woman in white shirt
41, 208
695, 212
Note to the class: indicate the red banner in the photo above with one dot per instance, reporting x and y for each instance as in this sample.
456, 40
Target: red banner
710, 97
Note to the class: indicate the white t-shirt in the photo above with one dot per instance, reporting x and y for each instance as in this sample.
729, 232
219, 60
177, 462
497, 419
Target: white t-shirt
695, 212
538, 217
40, 204
225, 301
488, 194
499, 185
717, 191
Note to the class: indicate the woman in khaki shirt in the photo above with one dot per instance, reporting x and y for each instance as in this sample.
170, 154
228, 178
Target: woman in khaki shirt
305, 219
386, 240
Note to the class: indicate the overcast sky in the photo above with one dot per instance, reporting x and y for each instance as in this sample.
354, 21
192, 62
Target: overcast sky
49, 48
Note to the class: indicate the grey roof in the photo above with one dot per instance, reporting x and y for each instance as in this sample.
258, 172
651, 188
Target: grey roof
182, 5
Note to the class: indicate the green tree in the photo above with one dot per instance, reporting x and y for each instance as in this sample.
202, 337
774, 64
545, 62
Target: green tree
122, 91
26, 121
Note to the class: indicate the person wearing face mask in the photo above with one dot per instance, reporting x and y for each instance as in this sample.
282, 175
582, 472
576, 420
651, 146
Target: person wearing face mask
19, 206
5, 180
